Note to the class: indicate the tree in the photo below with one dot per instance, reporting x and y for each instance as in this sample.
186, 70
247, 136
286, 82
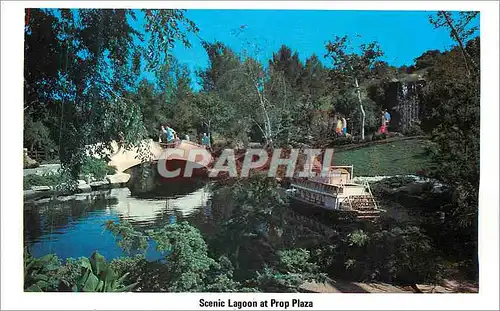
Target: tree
452, 95
461, 30
90, 58
187, 265
353, 68
289, 64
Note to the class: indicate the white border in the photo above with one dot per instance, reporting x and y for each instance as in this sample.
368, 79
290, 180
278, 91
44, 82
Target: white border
12, 296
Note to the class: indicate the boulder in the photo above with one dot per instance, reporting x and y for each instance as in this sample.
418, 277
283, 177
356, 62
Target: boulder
82, 188
40, 188
28, 162
99, 184
29, 194
118, 178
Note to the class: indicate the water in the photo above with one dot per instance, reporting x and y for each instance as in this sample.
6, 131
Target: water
73, 227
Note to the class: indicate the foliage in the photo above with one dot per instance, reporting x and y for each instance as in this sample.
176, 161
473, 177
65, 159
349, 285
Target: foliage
187, 265
220, 277
460, 31
187, 256
127, 237
94, 169
40, 274
90, 59
254, 210
291, 271
37, 135
111, 170
352, 68
396, 254
50, 180
98, 276
88, 275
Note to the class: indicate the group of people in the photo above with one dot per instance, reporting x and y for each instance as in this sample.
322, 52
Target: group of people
169, 136
341, 124
341, 128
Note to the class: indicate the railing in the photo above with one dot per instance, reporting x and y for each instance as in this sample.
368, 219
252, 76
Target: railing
39, 155
371, 195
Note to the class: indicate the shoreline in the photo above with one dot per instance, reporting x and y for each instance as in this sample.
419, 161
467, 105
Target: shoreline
118, 180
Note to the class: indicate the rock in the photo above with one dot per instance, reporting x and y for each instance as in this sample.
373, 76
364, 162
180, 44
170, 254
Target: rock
81, 182
29, 194
82, 188
40, 188
66, 198
82, 197
118, 178
99, 184
43, 201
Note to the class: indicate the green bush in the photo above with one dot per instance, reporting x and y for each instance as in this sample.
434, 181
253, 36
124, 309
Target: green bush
111, 170
40, 274
414, 129
94, 169
45, 180
92, 274
379, 136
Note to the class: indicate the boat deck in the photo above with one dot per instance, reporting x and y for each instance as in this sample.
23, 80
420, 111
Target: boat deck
336, 192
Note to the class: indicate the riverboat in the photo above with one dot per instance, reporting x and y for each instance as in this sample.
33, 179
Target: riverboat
335, 190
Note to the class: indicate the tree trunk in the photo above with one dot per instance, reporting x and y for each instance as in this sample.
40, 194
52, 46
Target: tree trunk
460, 43
362, 110
236, 258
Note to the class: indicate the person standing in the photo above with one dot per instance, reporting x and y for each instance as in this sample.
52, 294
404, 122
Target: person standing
163, 137
344, 126
338, 130
205, 141
171, 134
387, 117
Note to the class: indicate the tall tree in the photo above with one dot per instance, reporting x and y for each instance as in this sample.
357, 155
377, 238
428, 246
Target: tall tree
461, 30
352, 67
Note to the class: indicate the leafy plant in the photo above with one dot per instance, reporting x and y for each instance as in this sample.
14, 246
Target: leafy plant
41, 180
98, 276
291, 271
40, 274
94, 169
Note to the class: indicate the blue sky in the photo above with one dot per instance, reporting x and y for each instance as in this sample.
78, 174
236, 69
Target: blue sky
403, 35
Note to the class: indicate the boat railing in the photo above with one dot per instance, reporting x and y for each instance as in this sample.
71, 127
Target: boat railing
367, 185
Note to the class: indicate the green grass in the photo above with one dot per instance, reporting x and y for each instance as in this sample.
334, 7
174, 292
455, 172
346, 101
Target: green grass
394, 158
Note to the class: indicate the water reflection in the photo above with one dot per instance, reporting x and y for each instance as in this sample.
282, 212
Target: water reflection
74, 227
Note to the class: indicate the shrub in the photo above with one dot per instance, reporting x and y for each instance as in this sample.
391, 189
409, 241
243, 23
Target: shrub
379, 136
41, 180
111, 170
414, 129
40, 274
94, 169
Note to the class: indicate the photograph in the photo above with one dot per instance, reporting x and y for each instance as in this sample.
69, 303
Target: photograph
254, 157
171, 150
